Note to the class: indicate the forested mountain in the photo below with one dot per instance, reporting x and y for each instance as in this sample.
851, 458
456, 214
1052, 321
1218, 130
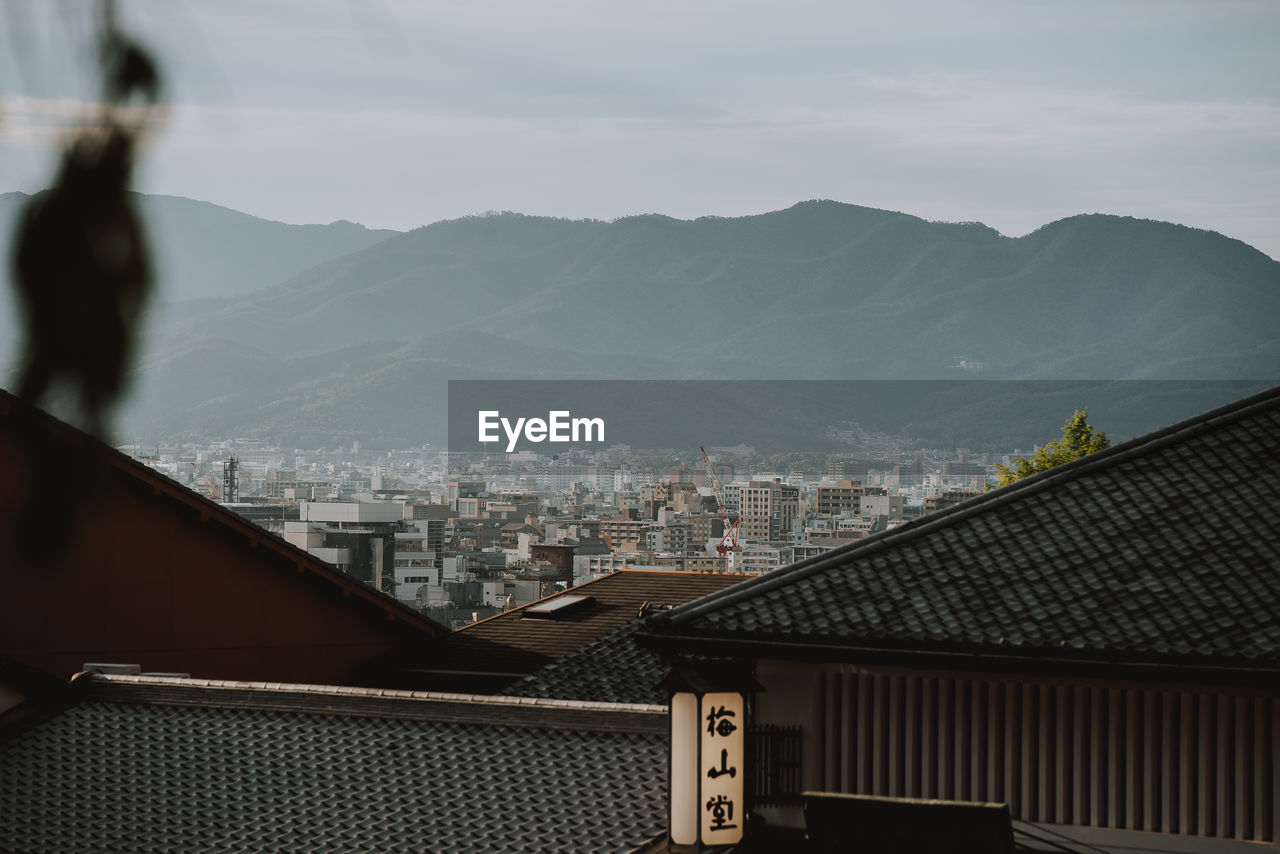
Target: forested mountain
361, 346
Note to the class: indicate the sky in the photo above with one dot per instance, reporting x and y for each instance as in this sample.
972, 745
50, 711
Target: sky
399, 113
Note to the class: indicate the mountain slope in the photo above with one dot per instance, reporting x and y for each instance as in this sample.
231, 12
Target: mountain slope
363, 344
820, 289
204, 251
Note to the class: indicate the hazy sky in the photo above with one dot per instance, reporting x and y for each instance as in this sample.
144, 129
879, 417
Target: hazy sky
398, 114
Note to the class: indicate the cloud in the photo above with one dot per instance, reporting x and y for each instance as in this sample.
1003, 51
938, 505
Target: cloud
401, 111
936, 110
43, 123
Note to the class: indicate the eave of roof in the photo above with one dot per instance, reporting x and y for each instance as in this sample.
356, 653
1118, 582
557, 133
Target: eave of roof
975, 658
374, 702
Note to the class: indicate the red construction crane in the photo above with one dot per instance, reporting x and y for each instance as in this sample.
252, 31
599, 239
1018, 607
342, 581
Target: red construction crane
211, 487
729, 542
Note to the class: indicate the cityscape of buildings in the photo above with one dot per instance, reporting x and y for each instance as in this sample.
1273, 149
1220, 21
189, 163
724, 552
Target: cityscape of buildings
463, 536
1084, 660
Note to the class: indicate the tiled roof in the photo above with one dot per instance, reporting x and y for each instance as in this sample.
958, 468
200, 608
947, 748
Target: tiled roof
513, 643
613, 669
1164, 550
144, 764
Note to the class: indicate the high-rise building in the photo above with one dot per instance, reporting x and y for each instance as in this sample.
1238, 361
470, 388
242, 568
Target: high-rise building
766, 508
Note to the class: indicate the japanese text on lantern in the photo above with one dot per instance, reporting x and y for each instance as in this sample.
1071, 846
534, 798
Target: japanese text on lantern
721, 768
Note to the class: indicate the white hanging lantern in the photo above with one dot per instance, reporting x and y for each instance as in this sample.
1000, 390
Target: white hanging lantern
708, 765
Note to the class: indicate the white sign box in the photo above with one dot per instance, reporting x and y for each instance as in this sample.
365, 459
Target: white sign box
721, 768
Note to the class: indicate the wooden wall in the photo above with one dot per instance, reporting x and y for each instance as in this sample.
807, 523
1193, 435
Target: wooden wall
1173, 759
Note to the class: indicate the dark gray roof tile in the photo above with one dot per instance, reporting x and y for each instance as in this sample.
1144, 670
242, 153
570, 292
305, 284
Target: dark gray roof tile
269, 771
613, 669
1166, 548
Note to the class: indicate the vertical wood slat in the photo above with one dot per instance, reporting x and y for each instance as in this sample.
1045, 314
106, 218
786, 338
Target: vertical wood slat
1132, 760
1046, 772
1187, 766
929, 740
1241, 761
911, 749
1169, 770
1205, 770
1275, 768
1098, 755
978, 749
1223, 767
879, 736
831, 734
1081, 754
1062, 764
817, 744
895, 752
1150, 763
1115, 759
960, 740
848, 731
995, 741
1028, 751
864, 735
1261, 807
946, 693
1012, 793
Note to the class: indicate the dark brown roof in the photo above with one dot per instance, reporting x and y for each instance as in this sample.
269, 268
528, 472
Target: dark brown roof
513, 644
151, 569
1162, 552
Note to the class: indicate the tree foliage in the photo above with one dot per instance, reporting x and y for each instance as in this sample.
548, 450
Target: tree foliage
1078, 440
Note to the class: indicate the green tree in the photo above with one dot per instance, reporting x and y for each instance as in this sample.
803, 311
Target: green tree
1078, 440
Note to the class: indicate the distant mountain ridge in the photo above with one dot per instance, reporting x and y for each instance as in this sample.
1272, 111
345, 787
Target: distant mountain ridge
361, 346
205, 251
890, 294
201, 252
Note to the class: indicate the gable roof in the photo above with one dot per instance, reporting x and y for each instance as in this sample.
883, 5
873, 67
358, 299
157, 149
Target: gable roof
154, 571
514, 643
1160, 552
142, 763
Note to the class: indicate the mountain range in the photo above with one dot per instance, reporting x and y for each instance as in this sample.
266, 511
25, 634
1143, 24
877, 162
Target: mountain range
359, 334
202, 250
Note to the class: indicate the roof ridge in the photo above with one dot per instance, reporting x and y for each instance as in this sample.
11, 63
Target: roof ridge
1138, 446
304, 689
